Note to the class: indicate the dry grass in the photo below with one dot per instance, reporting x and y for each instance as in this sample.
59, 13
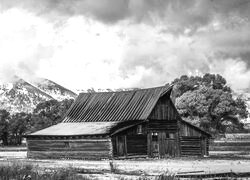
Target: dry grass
19, 171
28, 172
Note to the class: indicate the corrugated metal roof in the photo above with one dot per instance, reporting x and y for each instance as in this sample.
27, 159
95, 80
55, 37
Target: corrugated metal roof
73, 129
115, 106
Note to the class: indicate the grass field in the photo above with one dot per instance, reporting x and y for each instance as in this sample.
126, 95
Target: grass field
219, 161
134, 169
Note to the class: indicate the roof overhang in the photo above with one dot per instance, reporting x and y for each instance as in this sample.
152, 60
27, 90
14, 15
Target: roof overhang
197, 128
76, 129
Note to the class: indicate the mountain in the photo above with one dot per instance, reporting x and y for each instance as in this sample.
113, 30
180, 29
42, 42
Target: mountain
23, 96
55, 90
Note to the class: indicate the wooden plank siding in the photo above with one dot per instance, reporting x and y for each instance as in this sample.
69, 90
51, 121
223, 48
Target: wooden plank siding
75, 149
192, 141
163, 121
136, 144
159, 125
163, 110
168, 145
191, 146
129, 142
187, 130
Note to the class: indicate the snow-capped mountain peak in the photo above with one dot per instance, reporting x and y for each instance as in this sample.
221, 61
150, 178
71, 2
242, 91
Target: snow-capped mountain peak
20, 95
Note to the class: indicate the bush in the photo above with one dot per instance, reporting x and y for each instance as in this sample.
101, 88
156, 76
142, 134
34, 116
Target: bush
29, 172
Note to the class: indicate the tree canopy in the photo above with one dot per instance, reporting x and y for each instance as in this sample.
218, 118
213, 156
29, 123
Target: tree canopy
13, 127
208, 102
4, 126
49, 113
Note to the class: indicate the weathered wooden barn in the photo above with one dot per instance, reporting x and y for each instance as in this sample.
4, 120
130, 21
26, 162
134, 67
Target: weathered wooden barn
138, 123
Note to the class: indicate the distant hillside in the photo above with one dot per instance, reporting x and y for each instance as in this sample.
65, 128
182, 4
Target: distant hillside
22, 96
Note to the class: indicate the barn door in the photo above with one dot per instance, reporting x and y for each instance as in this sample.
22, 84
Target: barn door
167, 142
155, 144
121, 148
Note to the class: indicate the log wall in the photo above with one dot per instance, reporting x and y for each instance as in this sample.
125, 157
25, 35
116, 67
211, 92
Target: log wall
192, 141
73, 149
190, 146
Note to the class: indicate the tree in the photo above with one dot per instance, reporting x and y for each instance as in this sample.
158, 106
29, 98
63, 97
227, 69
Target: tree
4, 126
208, 102
18, 125
49, 113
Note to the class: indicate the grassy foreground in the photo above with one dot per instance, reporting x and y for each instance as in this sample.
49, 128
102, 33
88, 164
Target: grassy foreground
28, 172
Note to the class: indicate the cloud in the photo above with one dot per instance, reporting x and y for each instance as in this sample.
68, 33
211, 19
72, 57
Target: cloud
108, 11
124, 43
25, 41
159, 56
234, 70
226, 43
177, 13
163, 58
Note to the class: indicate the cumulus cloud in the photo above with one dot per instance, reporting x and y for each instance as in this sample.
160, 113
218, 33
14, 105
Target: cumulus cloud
24, 43
125, 43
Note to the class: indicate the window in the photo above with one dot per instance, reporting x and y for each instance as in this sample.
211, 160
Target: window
139, 129
154, 136
167, 135
170, 135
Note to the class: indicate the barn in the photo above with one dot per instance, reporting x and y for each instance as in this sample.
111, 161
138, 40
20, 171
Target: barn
126, 124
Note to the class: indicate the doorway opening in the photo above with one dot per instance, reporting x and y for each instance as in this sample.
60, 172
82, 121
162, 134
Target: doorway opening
155, 144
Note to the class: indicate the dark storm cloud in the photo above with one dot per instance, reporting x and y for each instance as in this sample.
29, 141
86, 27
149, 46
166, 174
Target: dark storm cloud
229, 42
222, 26
178, 14
107, 11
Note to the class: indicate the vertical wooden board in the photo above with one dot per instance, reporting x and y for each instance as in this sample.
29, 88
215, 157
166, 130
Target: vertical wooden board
163, 141
163, 109
114, 147
149, 139
203, 146
161, 144
121, 151
125, 146
187, 130
207, 146
178, 146
136, 144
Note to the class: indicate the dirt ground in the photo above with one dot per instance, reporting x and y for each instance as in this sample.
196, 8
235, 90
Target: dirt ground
144, 166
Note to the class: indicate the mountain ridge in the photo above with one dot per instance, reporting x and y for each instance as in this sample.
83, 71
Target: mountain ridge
20, 95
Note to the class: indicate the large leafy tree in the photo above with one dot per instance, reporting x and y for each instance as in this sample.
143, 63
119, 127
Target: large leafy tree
209, 103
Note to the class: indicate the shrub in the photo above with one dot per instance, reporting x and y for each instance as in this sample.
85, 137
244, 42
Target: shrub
29, 172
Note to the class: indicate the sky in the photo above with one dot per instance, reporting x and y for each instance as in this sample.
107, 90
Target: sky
84, 44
